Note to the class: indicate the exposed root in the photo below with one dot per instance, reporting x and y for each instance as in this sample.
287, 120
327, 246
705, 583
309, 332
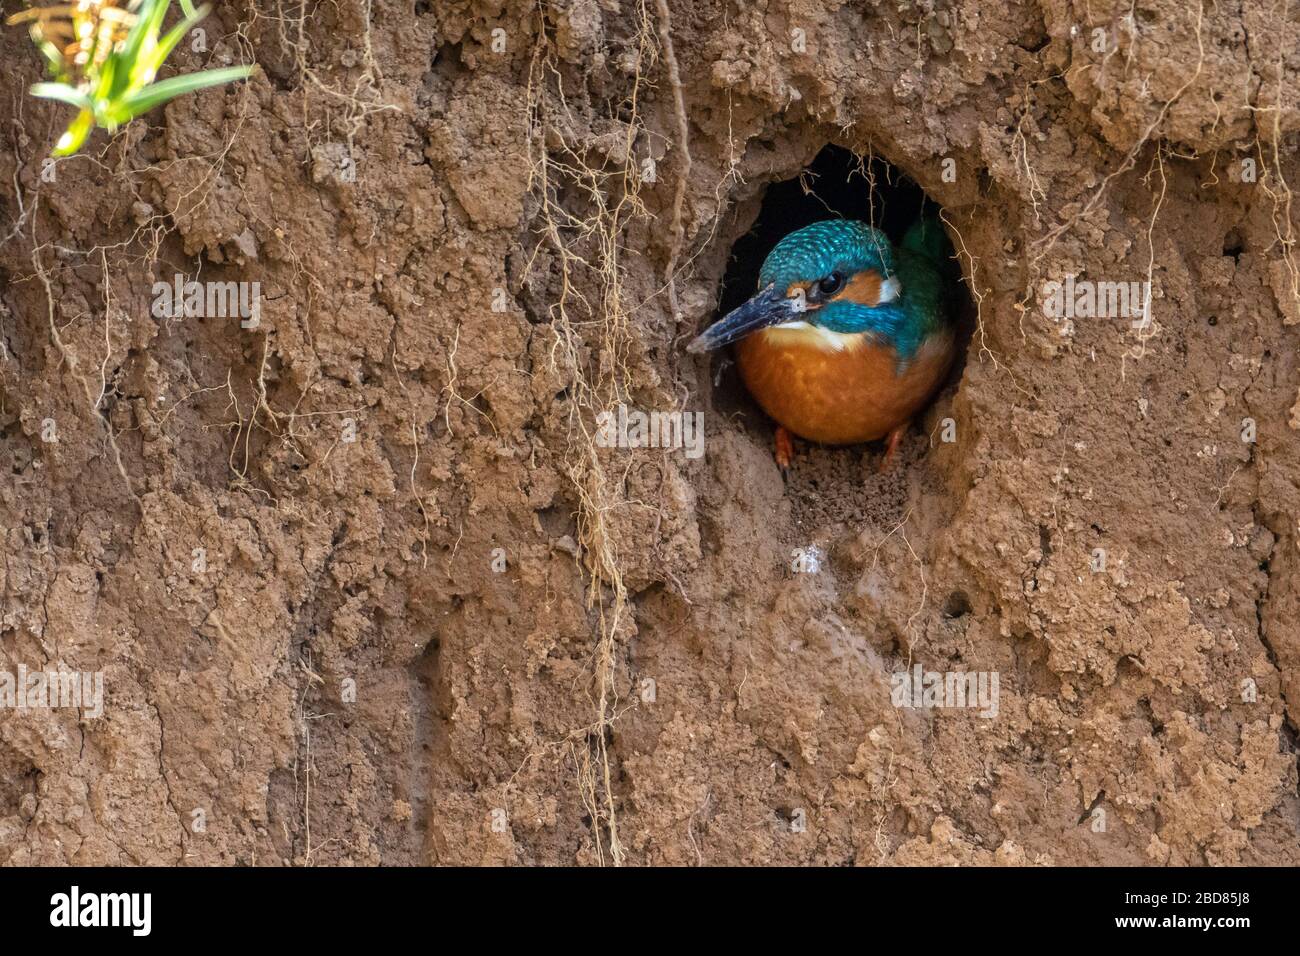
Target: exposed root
1020, 154
592, 355
1281, 196
684, 152
453, 395
977, 294
346, 110
70, 358
1146, 327
1047, 242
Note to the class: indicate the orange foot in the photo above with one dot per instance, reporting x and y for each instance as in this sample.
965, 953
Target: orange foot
784, 448
891, 446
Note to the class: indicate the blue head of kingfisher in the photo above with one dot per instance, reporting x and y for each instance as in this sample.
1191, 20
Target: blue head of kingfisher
838, 278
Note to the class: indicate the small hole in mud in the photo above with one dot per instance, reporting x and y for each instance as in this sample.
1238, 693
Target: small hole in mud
1233, 245
1034, 42
556, 521
839, 184
957, 605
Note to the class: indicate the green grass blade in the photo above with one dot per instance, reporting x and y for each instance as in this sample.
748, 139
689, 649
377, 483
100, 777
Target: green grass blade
158, 93
107, 78
75, 134
168, 43
61, 92
143, 36
53, 58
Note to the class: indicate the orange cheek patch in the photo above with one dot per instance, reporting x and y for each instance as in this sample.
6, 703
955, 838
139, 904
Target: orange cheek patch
863, 288
798, 288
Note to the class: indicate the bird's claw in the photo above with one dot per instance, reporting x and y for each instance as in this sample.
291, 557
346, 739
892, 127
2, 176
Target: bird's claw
891, 446
784, 452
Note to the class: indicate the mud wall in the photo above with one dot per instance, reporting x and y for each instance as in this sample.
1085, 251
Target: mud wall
363, 588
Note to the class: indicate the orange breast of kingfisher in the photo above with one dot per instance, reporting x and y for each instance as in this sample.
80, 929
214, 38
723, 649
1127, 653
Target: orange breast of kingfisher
839, 396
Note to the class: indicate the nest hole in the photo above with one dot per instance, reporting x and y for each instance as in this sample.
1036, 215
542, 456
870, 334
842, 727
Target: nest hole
838, 183
843, 483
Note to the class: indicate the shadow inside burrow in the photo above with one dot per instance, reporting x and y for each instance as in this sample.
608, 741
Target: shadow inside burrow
836, 184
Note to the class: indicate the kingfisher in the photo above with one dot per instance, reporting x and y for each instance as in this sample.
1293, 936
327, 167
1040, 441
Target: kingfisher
848, 336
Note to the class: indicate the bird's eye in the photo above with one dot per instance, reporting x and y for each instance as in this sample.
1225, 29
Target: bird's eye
831, 284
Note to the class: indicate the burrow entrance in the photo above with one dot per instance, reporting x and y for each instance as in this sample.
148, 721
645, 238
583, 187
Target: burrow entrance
837, 184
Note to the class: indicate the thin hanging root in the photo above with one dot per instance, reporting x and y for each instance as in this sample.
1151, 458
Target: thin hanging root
1046, 243
865, 169
148, 236
1147, 328
587, 250
349, 109
454, 395
1020, 153
978, 296
71, 358
684, 153
1283, 223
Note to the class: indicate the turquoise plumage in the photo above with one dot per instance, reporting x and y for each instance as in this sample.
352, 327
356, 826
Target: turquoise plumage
848, 334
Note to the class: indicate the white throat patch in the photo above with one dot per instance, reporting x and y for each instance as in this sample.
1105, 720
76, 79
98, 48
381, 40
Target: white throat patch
807, 334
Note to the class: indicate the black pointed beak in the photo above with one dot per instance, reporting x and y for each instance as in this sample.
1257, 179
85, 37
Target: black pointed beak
764, 310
